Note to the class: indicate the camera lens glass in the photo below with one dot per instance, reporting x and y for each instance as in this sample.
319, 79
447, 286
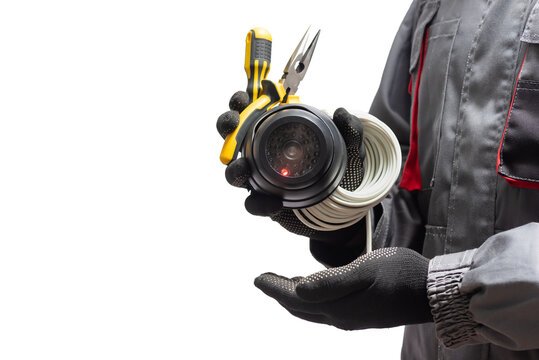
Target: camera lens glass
292, 149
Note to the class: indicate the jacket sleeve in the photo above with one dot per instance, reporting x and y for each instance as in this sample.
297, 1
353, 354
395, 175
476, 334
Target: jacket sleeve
489, 294
398, 214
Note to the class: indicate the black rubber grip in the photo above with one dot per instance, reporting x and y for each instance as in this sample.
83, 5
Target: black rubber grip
261, 50
258, 65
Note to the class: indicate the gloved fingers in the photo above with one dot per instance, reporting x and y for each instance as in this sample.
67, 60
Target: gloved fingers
237, 172
283, 290
351, 129
278, 287
336, 283
262, 205
239, 101
228, 121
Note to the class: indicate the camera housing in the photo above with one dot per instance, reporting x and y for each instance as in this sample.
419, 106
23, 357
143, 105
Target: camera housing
295, 153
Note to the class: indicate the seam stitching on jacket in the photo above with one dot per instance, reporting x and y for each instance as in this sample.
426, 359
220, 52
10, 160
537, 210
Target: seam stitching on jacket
434, 37
462, 105
442, 107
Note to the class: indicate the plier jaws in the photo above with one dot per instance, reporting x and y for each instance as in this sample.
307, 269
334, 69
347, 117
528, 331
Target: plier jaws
299, 62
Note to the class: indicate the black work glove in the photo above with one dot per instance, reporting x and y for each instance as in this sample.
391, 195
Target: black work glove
238, 172
385, 288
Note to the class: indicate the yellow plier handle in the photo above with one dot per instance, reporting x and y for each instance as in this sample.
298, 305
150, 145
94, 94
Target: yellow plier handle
272, 94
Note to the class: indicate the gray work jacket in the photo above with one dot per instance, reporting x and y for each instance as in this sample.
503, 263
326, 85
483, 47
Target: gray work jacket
461, 92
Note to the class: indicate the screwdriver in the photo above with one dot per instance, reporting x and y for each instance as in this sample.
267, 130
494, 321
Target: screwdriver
257, 60
257, 66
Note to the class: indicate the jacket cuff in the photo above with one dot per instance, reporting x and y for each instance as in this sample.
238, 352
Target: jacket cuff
450, 308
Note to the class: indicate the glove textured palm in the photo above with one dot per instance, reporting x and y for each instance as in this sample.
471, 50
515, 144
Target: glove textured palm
384, 288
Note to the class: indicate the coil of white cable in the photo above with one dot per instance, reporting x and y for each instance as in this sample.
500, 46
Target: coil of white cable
382, 166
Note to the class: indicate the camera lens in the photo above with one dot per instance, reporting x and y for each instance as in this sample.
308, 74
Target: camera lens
292, 149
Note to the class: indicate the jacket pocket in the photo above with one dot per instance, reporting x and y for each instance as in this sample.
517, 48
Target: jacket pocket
427, 12
432, 94
432, 45
518, 154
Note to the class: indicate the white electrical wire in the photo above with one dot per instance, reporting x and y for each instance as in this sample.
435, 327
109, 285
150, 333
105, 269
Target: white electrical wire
382, 166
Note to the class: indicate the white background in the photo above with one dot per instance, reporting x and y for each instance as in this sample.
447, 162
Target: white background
119, 236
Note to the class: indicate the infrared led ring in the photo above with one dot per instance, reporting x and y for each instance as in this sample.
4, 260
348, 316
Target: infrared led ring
293, 149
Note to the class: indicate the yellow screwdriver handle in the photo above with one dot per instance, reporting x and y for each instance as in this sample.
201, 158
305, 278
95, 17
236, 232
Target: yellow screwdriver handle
263, 94
257, 60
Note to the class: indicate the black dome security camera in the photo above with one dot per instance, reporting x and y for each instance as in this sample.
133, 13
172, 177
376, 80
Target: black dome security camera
296, 153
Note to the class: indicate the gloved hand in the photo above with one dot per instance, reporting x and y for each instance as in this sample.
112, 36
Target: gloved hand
237, 172
385, 288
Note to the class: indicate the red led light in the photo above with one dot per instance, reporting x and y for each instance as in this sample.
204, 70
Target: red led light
284, 172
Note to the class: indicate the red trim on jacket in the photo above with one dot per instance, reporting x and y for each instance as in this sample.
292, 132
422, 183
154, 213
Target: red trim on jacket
411, 175
511, 181
521, 183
